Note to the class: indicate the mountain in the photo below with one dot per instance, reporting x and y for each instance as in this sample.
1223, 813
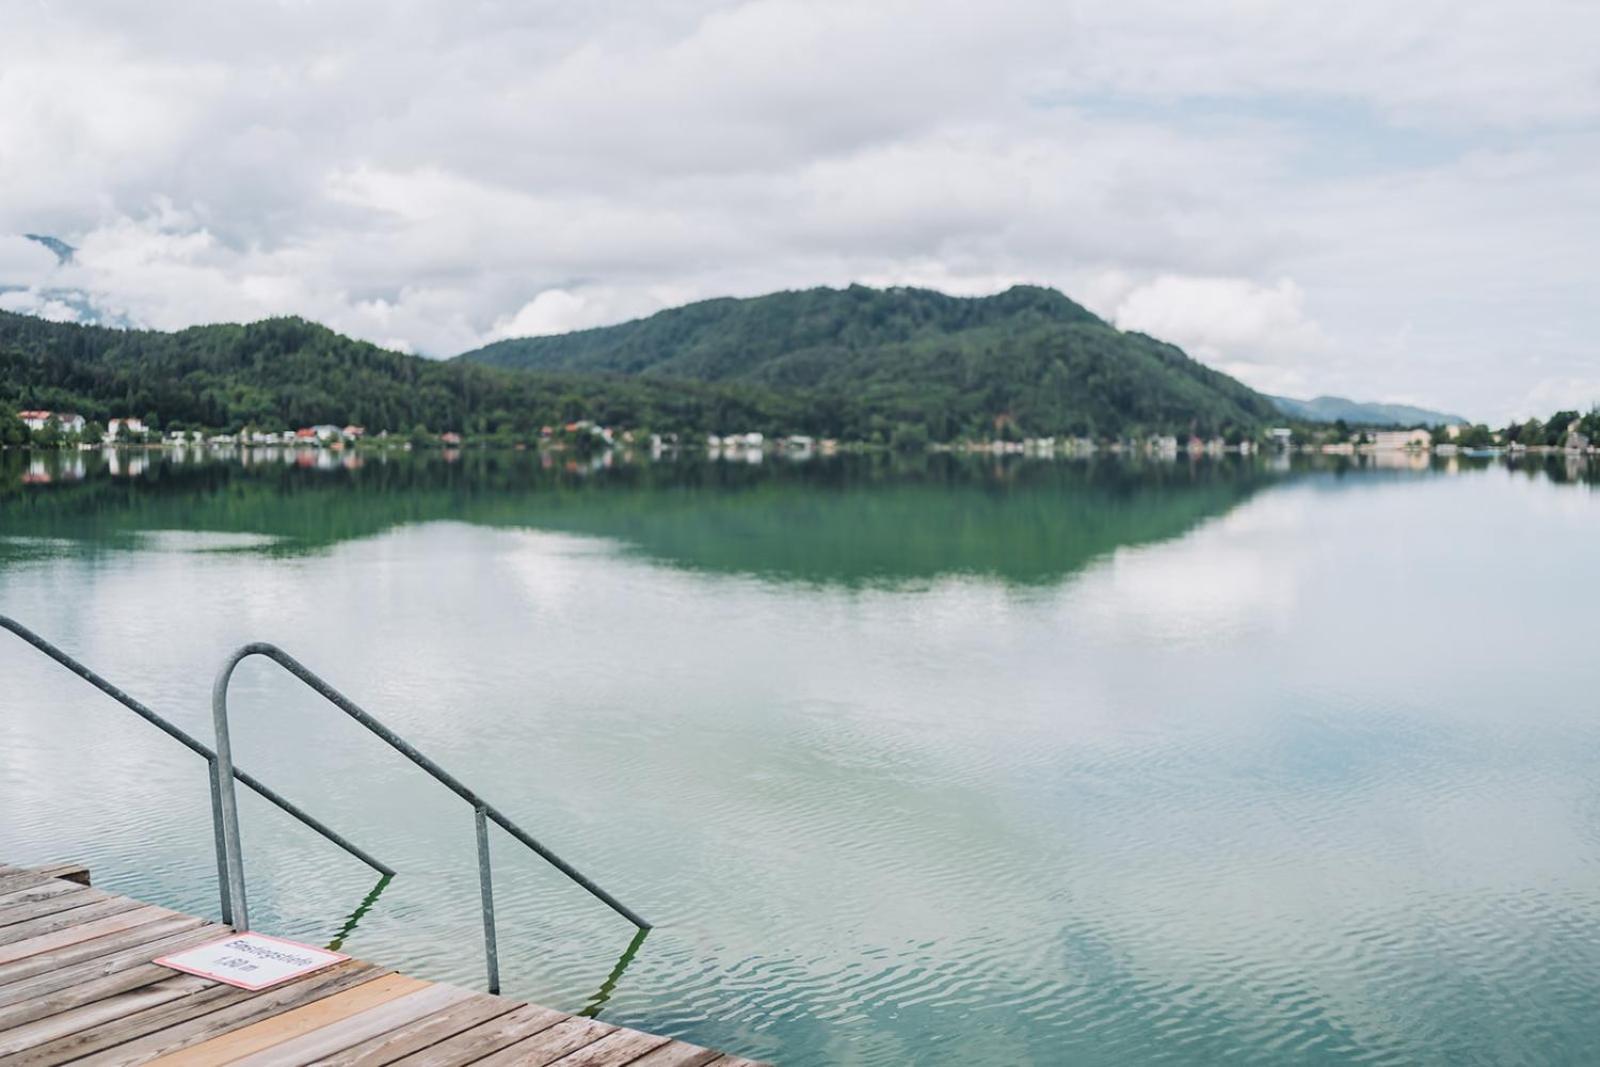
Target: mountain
64, 252
1334, 408
289, 372
856, 364
954, 365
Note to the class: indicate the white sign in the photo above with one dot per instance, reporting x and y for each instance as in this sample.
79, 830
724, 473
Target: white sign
251, 961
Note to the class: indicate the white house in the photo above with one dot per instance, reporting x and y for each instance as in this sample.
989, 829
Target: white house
68, 421
128, 425
1401, 440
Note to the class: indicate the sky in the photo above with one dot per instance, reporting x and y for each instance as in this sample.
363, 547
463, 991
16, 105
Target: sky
1378, 200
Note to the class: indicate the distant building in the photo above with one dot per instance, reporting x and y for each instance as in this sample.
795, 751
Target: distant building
1577, 442
1401, 440
354, 432
449, 438
125, 425
1281, 436
66, 421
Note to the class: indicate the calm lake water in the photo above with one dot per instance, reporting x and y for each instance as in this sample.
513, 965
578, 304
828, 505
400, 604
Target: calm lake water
931, 762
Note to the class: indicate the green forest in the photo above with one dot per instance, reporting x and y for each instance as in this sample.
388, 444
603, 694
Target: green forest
854, 364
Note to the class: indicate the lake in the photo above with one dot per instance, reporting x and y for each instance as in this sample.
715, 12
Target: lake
929, 760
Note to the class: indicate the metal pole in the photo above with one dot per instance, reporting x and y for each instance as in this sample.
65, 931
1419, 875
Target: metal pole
221, 847
491, 950
228, 806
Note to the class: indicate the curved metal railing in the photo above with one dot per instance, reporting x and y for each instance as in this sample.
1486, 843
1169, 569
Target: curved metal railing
483, 812
202, 750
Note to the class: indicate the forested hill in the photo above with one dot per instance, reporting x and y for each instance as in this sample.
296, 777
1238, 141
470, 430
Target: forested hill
787, 338
289, 372
917, 355
857, 364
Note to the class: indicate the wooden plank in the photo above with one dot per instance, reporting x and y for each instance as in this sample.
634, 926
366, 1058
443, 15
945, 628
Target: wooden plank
42, 891
76, 996
113, 941
551, 1044
61, 920
10, 883
317, 1045
678, 1054
158, 1037
473, 1045
23, 910
126, 920
102, 966
99, 1013
421, 1033
290, 1024
67, 872
614, 1049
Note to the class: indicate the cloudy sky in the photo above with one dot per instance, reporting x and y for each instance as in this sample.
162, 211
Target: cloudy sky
1384, 200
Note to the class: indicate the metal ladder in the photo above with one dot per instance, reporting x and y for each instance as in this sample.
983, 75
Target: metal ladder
483, 812
224, 801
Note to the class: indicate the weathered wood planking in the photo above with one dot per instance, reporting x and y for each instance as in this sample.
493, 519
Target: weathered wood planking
78, 985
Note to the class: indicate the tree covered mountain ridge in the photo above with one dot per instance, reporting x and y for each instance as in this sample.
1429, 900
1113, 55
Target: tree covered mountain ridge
854, 363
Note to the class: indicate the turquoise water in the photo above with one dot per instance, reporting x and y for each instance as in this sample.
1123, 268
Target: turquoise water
919, 761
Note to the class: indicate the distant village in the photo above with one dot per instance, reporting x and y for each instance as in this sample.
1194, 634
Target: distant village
68, 429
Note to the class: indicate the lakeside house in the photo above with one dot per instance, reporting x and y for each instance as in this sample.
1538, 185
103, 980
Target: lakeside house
66, 421
1281, 437
125, 425
1401, 440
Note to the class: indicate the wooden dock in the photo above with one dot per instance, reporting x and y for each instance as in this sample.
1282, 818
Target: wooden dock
77, 985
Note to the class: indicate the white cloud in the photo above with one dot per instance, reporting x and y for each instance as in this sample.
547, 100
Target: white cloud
24, 262
440, 174
1546, 397
1259, 333
33, 302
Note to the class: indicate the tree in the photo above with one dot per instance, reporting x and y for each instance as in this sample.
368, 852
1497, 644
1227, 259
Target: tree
909, 437
13, 431
48, 436
91, 433
420, 437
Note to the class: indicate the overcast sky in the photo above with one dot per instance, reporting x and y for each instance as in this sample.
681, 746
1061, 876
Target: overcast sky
1385, 200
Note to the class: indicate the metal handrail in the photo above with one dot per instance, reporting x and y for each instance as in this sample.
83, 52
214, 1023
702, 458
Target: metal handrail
482, 811
200, 749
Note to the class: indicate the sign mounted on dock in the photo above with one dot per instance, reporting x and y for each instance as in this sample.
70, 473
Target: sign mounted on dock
251, 961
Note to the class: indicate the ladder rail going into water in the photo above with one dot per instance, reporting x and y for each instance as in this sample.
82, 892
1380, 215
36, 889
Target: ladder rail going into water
483, 811
200, 749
